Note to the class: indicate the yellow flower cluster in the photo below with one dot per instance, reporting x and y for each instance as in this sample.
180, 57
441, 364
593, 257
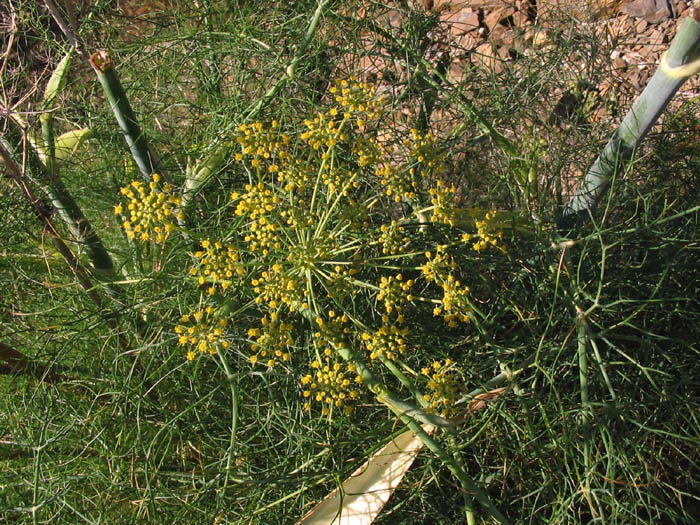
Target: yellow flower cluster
202, 332
271, 341
488, 231
317, 227
443, 382
339, 283
150, 214
357, 98
441, 197
402, 182
454, 305
424, 150
260, 145
324, 130
258, 202
298, 217
338, 179
330, 385
395, 292
389, 341
393, 238
294, 176
438, 264
275, 288
332, 332
217, 265
399, 183
367, 151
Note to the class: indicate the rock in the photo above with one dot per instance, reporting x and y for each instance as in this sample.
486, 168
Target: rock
536, 37
498, 33
652, 11
657, 38
467, 41
460, 22
619, 64
583, 11
493, 18
484, 57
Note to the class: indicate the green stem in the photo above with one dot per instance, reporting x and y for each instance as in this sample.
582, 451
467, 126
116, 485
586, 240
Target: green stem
413, 416
417, 394
375, 385
49, 143
146, 161
440, 83
467, 484
290, 70
679, 63
232, 381
213, 83
69, 211
435, 76
73, 263
585, 402
101, 62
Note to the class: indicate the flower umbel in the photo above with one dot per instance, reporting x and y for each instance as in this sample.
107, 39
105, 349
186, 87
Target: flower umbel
454, 305
151, 210
387, 342
330, 385
217, 265
444, 386
489, 232
202, 332
271, 341
259, 145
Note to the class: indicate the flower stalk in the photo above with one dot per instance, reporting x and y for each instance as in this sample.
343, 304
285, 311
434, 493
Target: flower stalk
101, 62
679, 62
72, 215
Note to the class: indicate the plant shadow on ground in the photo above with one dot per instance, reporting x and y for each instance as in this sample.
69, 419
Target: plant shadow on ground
138, 434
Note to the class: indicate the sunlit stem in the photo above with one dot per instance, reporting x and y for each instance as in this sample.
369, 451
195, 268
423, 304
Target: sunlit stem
681, 61
101, 62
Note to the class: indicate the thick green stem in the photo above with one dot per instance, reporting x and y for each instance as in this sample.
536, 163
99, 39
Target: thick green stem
405, 381
101, 62
681, 61
413, 416
385, 396
147, 163
66, 207
73, 263
465, 480
375, 385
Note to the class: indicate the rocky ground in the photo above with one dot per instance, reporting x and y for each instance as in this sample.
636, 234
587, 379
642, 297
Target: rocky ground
616, 49
496, 34
492, 35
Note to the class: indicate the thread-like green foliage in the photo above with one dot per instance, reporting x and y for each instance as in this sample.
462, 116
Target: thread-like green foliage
359, 255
